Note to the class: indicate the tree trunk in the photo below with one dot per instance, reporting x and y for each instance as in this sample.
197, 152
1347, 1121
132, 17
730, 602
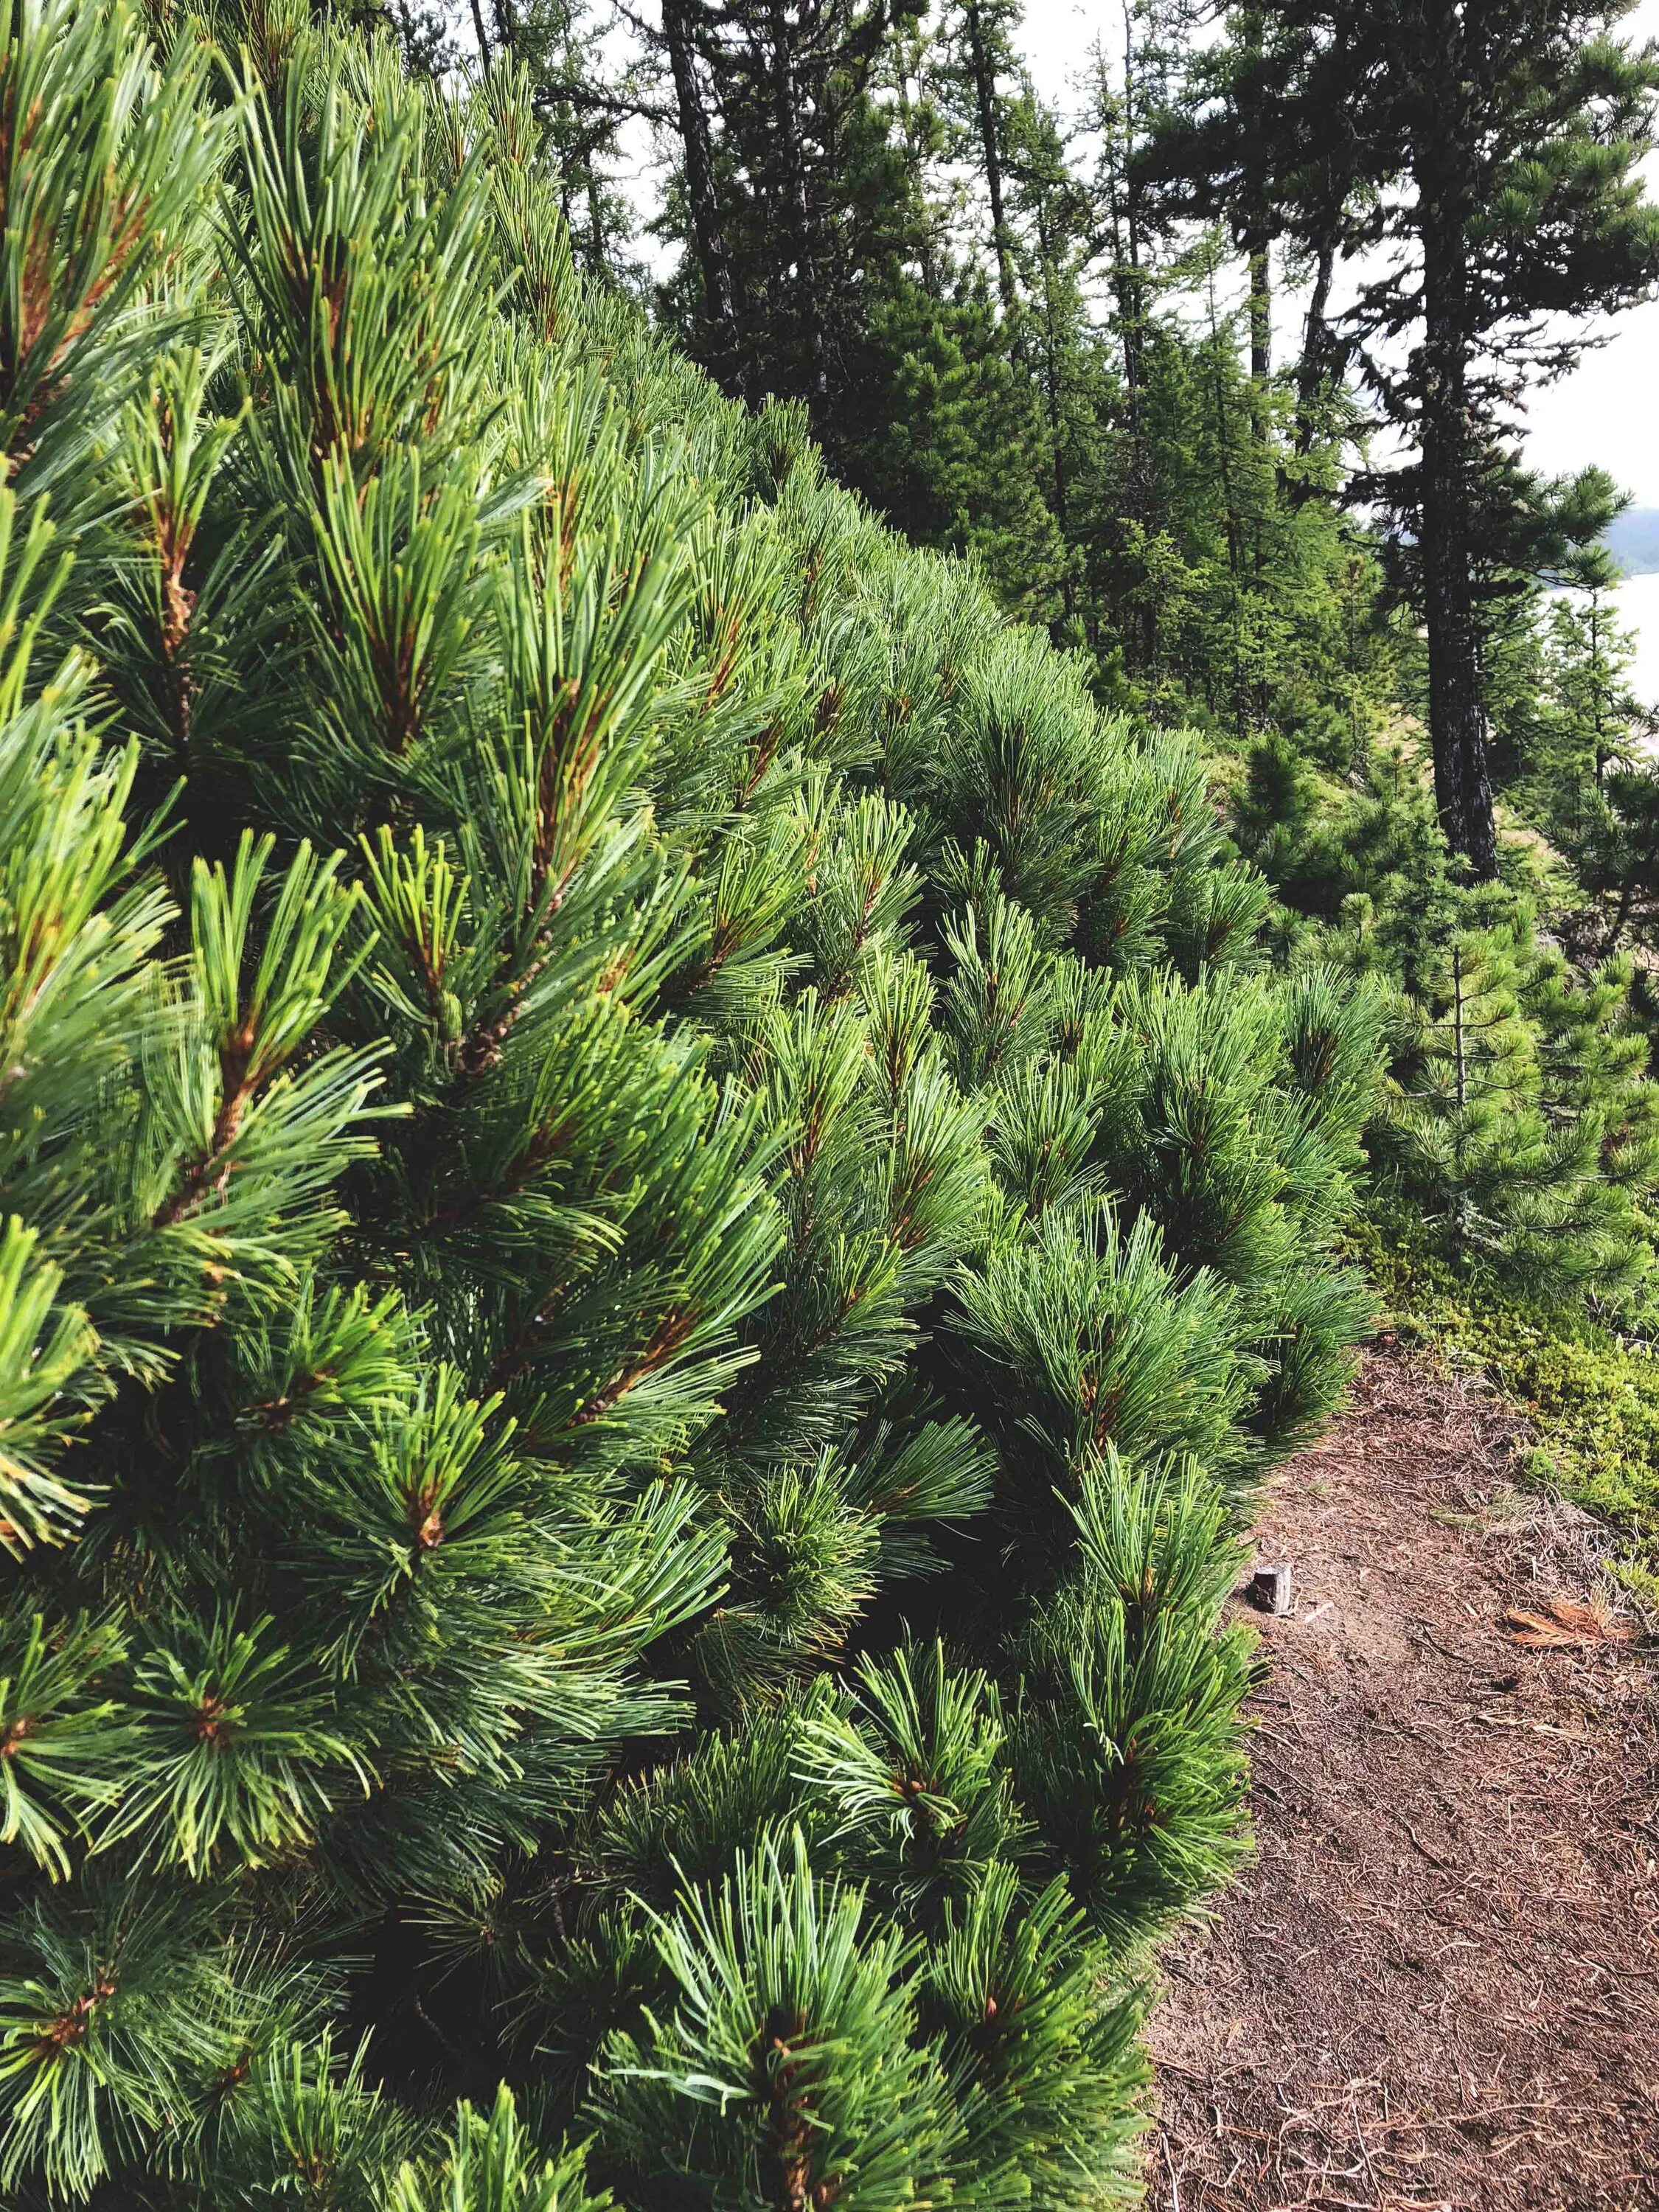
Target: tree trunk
708, 241
1312, 373
1463, 781
1257, 234
1454, 721
1061, 514
1131, 299
1258, 251
1131, 295
1261, 304
1238, 686
985, 98
797, 221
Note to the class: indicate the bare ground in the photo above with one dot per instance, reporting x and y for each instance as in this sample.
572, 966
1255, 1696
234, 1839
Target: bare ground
1438, 1986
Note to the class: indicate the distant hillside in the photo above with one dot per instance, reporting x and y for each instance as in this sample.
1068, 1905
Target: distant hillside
1634, 540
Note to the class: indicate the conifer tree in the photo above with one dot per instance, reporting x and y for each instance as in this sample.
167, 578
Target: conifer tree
1585, 717
1523, 1125
1494, 151
1619, 860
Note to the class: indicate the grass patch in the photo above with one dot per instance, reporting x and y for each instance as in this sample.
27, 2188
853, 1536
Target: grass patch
1592, 1395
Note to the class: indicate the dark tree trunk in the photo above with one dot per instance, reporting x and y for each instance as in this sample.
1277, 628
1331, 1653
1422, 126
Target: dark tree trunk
1448, 600
1462, 779
1238, 686
1257, 231
798, 226
985, 98
1132, 309
1056, 440
1131, 295
707, 239
1313, 372
1261, 302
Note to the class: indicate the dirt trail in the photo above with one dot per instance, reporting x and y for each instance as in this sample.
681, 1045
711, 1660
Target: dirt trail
1438, 1986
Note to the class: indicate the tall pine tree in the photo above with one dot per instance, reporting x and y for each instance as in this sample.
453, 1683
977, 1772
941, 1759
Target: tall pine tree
1486, 160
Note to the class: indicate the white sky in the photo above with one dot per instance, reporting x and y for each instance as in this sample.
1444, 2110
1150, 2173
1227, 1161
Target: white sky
1606, 411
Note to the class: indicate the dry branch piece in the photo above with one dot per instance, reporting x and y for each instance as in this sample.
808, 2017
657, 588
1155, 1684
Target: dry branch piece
1565, 1624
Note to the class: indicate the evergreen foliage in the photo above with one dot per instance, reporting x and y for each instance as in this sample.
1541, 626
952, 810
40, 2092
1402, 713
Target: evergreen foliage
1516, 1124
1525, 1122
1493, 153
568, 1001
1055, 343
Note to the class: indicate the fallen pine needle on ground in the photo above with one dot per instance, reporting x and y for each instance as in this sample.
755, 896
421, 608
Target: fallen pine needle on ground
1438, 1985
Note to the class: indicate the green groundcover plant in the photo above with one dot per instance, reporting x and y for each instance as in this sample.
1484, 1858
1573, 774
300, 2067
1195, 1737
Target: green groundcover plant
654, 1223
1590, 1389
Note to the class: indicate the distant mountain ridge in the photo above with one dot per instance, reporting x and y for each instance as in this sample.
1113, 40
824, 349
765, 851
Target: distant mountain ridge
1633, 540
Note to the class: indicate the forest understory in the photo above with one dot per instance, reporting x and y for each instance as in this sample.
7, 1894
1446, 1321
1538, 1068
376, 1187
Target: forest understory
1436, 1987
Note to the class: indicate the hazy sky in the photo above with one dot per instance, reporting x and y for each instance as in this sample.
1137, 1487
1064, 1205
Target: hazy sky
1607, 410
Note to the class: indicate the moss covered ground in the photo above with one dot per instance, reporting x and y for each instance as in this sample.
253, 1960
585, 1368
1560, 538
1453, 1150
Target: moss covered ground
1590, 1389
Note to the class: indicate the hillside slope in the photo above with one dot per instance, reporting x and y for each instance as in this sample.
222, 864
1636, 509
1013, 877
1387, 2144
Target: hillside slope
657, 1226
1633, 538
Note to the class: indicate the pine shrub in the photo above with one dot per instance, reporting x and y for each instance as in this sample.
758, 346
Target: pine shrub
1521, 1118
613, 1091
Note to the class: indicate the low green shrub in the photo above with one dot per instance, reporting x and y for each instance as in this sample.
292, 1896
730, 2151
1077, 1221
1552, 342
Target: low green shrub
1592, 1394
